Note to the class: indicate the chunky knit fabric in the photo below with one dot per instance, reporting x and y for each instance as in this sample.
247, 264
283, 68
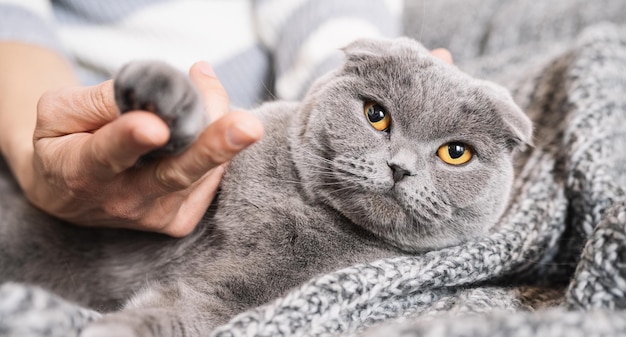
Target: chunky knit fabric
555, 266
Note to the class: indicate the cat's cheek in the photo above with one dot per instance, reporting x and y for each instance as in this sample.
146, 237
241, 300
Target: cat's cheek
369, 172
462, 186
480, 196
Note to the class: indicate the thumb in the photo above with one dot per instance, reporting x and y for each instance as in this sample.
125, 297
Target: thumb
118, 145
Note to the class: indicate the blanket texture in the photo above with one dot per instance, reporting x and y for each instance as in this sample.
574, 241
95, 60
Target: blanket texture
556, 263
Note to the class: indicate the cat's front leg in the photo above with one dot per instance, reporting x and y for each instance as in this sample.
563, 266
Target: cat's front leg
145, 323
157, 87
173, 310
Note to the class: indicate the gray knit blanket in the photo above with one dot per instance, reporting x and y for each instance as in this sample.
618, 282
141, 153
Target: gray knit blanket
556, 263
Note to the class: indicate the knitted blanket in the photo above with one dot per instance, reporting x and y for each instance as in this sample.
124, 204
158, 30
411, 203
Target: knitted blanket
554, 266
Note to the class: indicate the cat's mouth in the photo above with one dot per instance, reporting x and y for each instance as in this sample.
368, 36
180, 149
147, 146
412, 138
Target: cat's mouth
420, 202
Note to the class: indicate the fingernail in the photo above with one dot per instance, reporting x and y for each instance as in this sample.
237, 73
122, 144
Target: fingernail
241, 134
206, 69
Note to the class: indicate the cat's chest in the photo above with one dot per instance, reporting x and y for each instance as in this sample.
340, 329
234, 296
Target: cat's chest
281, 220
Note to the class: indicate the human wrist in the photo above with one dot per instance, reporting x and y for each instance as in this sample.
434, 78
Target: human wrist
17, 149
26, 72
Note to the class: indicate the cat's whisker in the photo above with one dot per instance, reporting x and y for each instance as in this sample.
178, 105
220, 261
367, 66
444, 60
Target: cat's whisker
343, 189
316, 156
339, 183
352, 174
356, 181
329, 184
269, 93
288, 181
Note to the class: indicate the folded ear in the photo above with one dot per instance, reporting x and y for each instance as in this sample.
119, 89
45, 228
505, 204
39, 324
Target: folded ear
366, 48
515, 120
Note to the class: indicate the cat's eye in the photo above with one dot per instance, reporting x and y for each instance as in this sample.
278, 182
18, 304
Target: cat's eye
455, 153
377, 116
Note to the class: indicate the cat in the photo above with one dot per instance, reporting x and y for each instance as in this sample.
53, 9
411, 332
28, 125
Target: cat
394, 153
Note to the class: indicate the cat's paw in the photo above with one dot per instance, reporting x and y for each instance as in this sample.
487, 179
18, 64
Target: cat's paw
137, 323
157, 87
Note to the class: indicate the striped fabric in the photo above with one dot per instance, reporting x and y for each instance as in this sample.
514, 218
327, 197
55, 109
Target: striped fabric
260, 49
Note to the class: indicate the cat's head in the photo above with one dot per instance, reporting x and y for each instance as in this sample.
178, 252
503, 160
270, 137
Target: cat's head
409, 147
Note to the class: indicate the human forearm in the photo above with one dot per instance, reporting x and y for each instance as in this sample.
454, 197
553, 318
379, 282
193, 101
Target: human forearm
27, 71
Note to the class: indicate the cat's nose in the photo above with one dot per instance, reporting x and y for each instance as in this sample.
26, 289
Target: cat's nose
398, 172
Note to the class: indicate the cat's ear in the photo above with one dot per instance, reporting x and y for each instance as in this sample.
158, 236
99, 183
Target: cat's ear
364, 49
518, 126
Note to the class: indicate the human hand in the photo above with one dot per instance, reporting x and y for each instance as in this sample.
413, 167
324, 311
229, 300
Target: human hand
84, 156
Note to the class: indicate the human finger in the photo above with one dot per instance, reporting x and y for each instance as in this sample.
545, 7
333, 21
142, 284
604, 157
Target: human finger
219, 142
116, 146
213, 94
75, 109
195, 204
443, 54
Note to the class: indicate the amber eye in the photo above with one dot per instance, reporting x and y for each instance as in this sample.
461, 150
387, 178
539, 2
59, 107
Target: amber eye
455, 153
377, 116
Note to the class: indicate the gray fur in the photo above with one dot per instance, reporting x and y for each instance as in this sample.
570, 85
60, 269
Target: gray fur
318, 193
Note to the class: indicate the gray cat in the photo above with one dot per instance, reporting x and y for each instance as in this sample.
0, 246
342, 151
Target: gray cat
394, 153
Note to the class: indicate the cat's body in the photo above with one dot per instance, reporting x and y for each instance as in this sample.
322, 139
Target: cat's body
324, 189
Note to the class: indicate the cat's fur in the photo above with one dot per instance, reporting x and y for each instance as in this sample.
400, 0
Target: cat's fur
318, 193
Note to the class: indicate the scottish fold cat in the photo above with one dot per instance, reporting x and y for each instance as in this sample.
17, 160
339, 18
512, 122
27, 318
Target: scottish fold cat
394, 153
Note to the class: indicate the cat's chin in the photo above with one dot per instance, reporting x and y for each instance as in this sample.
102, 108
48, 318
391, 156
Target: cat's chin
411, 241
408, 224
384, 216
